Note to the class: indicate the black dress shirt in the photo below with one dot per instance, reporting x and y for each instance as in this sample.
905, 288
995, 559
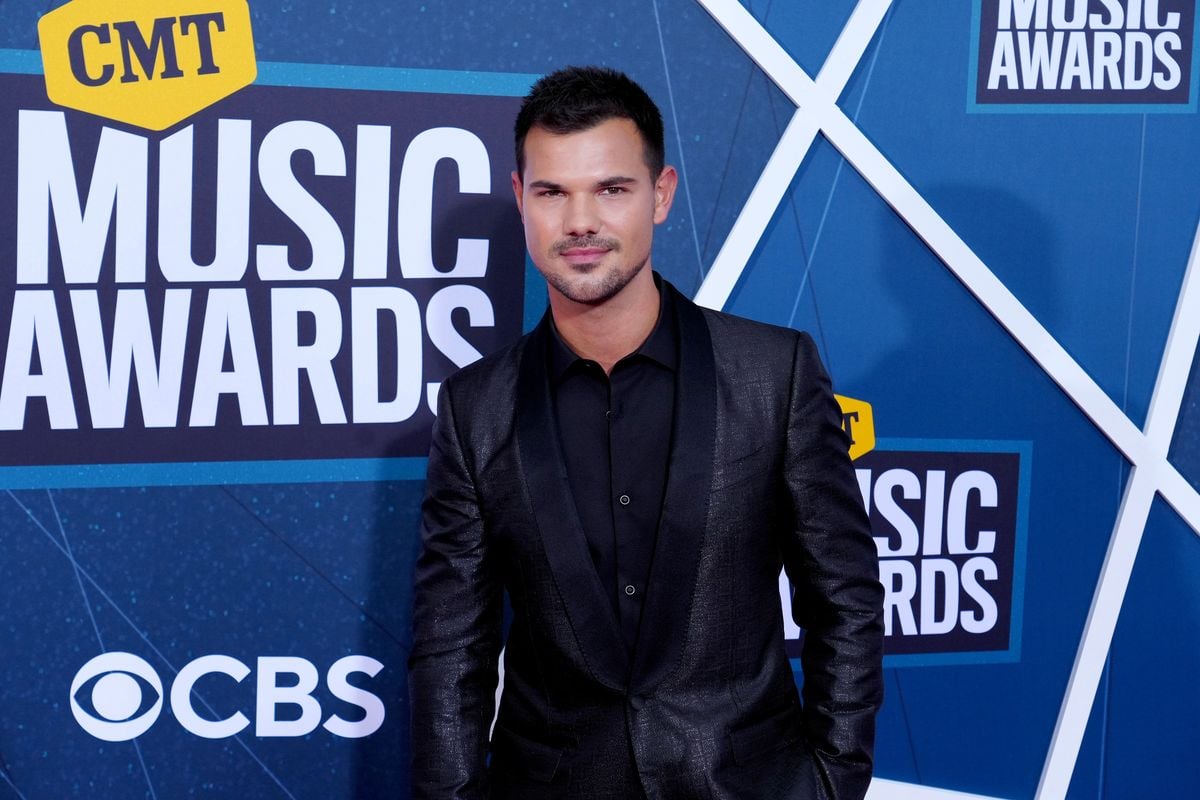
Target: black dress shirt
616, 437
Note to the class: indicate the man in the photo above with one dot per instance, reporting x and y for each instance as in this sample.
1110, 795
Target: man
634, 473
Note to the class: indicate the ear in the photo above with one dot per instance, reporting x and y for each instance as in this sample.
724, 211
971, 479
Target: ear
664, 193
517, 193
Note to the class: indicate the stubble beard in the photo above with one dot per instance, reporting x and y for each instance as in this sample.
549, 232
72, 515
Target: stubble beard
590, 283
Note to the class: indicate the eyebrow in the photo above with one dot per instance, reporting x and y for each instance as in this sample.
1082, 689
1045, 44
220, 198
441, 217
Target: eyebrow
616, 180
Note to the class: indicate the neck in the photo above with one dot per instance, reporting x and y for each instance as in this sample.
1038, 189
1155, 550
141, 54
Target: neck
607, 332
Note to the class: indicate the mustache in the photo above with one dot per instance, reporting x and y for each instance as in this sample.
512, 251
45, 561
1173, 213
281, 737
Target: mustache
585, 243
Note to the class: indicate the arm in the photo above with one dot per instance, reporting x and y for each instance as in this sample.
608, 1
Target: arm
456, 628
832, 561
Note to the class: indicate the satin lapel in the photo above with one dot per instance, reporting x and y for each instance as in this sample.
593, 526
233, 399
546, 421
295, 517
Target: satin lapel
588, 608
685, 505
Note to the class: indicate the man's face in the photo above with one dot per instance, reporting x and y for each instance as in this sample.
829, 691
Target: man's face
590, 204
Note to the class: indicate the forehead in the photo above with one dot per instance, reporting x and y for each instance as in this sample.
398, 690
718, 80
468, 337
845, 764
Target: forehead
613, 147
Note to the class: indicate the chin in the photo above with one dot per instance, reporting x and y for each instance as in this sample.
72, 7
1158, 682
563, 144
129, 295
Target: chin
593, 291
595, 287
586, 294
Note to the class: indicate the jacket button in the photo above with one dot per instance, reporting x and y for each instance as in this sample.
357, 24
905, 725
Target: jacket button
624, 499
629, 590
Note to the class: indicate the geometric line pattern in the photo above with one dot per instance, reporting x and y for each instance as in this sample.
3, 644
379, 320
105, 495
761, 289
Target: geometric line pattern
8, 782
1146, 449
82, 573
87, 603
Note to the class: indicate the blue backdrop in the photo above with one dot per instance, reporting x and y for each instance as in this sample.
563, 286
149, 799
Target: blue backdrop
299, 541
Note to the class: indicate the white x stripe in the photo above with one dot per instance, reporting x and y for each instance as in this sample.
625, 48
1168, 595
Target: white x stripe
800, 133
1152, 474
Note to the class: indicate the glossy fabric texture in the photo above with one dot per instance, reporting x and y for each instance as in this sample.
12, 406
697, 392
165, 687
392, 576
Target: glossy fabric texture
705, 705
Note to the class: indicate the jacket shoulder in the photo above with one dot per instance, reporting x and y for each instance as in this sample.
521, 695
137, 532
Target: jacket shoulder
490, 380
721, 323
745, 344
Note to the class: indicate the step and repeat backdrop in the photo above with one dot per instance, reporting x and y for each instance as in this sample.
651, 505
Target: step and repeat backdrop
243, 244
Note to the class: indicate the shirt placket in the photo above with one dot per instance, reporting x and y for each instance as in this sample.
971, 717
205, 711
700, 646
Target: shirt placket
624, 499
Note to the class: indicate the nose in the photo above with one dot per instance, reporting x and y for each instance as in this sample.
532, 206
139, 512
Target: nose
581, 218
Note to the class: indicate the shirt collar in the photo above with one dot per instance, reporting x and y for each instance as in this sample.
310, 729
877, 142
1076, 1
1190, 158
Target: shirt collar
661, 346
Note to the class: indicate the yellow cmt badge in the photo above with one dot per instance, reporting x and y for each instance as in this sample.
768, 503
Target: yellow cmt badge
859, 424
146, 62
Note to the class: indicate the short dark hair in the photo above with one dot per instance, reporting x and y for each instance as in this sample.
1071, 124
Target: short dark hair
576, 99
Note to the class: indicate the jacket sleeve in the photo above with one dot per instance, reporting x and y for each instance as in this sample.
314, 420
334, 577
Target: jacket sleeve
831, 560
456, 627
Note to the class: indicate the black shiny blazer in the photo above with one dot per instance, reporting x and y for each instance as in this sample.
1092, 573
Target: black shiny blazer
705, 705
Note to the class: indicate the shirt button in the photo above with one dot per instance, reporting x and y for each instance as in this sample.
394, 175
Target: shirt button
629, 590
624, 500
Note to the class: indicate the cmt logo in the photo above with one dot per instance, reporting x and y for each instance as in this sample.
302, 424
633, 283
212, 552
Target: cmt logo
129, 62
858, 421
118, 696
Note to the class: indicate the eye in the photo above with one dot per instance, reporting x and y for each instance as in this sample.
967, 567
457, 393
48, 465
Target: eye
611, 191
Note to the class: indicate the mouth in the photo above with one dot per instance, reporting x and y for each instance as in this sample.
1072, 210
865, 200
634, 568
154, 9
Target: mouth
583, 255
585, 252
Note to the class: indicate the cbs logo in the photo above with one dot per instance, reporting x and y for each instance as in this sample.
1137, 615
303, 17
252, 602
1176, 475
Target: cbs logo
125, 696
116, 696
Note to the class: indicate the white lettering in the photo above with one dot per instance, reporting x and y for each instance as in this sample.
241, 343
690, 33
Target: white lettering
227, 321
35, 321
1040, 58
899, 579
956, 528
181, 696
271, 695
339, 686
1078, 18
1004, 63
1106, 62
46, 180
1024, 11
790, 629
988, 614
372, 174
445, 336
289, 358
1077, 65
939, 577
414, 201
1163, 45
1139, 63
367, 304
107, 379
1153, 22
935, 498
231, 227
1115, 20
286, 192
885, 503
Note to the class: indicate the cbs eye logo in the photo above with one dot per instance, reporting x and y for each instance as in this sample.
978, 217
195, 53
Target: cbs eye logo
118, 696
114, 685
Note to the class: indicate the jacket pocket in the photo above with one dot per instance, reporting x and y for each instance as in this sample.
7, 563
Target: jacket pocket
523, 756
776, 732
